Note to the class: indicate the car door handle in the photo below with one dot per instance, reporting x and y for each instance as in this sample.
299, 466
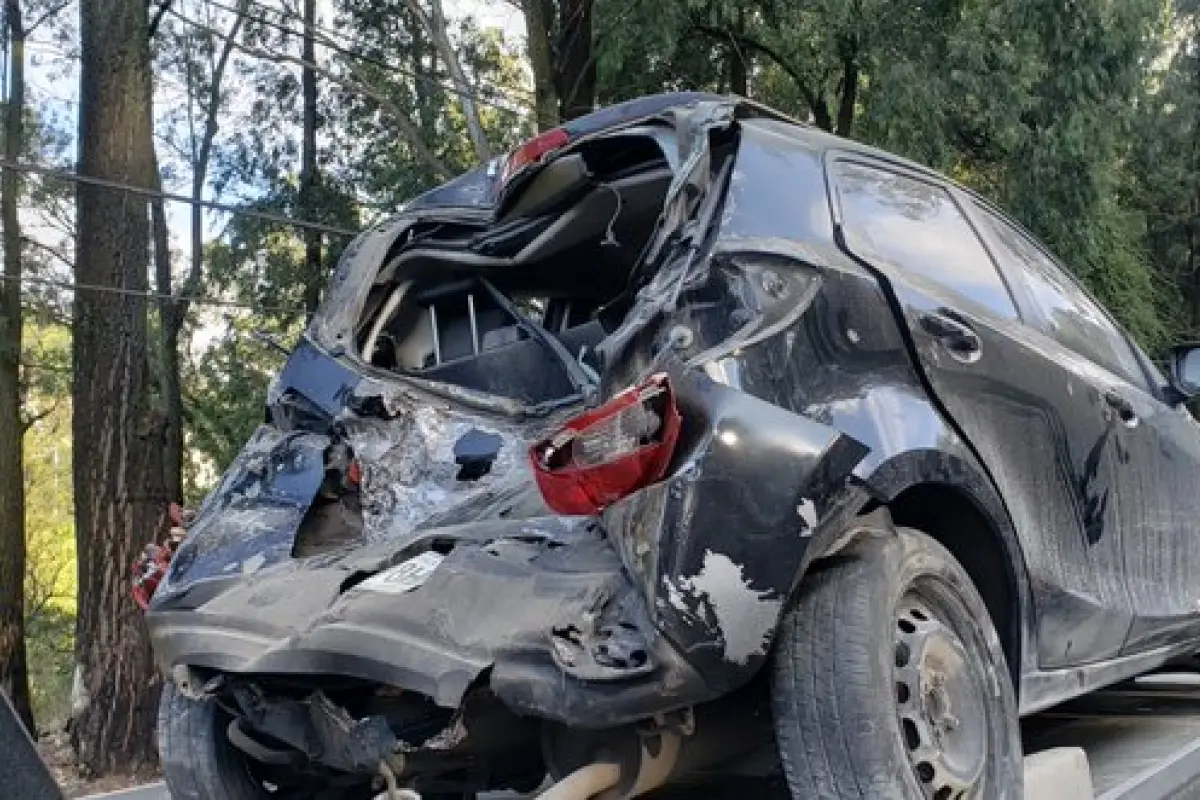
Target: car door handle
1123, 407
958, 337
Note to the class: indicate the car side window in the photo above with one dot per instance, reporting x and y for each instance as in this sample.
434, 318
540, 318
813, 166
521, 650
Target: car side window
1065, 311
917, 225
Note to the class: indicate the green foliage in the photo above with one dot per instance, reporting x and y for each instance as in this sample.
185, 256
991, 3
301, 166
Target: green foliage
1082, 119
225, 391
372, 155
1163, 179
1044, 106
50, 539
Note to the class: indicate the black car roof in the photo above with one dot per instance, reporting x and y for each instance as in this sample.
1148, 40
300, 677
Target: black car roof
473, 189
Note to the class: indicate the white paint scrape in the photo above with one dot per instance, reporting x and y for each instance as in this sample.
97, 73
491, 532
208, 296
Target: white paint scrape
744, 615
253, 564
808, 515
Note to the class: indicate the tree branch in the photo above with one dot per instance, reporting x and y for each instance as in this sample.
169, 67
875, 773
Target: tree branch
52, 12
29, 420
191, 284
818, 106
435, 24
45, 248
163, 7
402, 120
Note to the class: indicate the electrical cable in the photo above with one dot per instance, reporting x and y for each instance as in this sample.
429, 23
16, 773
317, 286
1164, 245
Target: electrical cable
524, 99
266, 55
149, 294
66, 175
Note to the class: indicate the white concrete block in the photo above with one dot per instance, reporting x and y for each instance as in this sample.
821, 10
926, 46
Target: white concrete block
1059, 774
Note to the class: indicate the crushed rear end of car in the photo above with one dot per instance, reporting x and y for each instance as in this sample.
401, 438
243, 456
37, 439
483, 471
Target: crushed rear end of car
512, 507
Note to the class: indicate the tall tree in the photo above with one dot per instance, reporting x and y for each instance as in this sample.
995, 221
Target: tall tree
434, 22
310, 175
208, 94
14, 671
562, 56
575, 68
118, 434
539, 20
1165, 169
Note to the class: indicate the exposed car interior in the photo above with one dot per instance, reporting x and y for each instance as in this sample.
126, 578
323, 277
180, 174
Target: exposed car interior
474, 306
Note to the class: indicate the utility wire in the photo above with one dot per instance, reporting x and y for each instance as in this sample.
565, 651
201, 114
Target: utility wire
149, 294
400, 118
331, 45
326, 38
61, 174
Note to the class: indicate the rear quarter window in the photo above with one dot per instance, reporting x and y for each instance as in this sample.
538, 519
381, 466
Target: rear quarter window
916, 225
1061, 308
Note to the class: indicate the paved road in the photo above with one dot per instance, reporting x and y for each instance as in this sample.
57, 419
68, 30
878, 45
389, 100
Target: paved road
158, 791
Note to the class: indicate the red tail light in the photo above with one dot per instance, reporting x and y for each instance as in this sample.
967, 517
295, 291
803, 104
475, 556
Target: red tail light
532, 151
610, 452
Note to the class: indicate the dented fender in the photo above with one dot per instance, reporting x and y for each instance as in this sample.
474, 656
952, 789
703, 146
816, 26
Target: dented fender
717, 547
250, 522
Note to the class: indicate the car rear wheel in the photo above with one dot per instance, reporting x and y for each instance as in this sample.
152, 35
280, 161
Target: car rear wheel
889, 680
197, 760
199, 763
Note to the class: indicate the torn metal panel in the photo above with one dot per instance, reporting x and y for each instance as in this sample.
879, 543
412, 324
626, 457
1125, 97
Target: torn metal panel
411, 474
250, 521
513, 584
732, 509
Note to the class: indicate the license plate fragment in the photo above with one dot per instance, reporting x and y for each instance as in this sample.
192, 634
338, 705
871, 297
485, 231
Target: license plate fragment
404, 577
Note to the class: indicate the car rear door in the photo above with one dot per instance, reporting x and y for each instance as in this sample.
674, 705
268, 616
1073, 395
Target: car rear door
1154, 445
1159, 472
1033, 411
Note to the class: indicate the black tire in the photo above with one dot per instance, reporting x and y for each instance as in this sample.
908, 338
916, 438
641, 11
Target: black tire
879, 651
197, 760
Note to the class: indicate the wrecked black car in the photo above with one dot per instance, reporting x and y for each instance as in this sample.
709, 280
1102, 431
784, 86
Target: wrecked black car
685, 440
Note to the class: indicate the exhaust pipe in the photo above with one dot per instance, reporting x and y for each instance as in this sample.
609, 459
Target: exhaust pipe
394, 792
584, 783
628, 762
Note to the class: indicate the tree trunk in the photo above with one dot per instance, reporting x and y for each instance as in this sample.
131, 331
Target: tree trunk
170, 322
849, 98
576, 62
739, 77
173, 310
118, 436
739, 82
435, 23
14, 672
538, 16
310, 178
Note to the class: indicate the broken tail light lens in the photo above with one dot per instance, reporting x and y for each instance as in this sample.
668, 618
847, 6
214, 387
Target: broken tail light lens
532, 151
610, 452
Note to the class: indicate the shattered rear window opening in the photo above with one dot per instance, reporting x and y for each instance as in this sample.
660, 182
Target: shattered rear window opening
517, 307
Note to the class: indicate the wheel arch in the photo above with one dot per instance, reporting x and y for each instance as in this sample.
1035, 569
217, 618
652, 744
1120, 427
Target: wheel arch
944, 495
952, 517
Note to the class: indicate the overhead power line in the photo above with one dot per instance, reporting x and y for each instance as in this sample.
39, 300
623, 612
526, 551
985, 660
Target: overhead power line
523, 99
329, 44
35, 280
267, 216
400, 118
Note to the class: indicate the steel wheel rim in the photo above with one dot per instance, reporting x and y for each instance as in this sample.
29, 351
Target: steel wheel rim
941, 701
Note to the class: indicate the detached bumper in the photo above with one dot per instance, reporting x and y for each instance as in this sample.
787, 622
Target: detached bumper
542, 609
